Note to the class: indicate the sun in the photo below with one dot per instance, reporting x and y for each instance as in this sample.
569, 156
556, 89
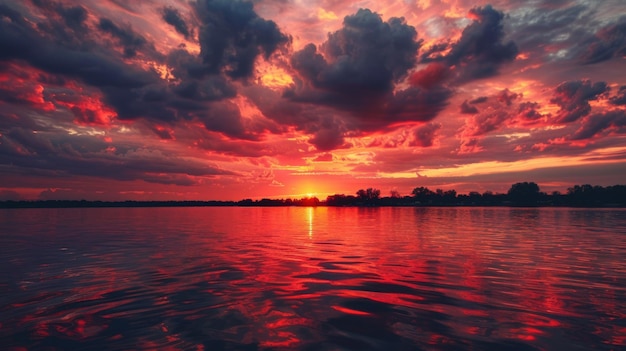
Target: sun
310, 195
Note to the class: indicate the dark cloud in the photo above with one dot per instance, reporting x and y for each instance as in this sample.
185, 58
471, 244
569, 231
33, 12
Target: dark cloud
413, 104
468, 109
363, 59
20, 41
479, 100
607, 43
162, 132
65, 24
130, 41
620, 98
507, 97
434, 52
565, 30
601, 122
193, 90
573, 97
283, 111
357, 69
126, 5
481, 50
172, 17
327, 139
538, 29
24, 95
74, 17
326, 129
232, 35
213, 88
479, 53
424, 136
528, 111
226, 118
64, 156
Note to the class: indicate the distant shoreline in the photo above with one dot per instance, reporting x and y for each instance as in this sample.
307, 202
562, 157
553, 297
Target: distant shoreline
525, 194
259, 203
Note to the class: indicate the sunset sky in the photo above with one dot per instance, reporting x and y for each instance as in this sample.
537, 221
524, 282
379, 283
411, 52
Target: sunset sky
228, 99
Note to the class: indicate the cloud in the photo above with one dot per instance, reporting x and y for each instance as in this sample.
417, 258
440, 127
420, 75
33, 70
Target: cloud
325, 157
232, 36
528, 111
607, 43
130, 41
545, 30
601, 122
65, 24
57, 155
172, 17
507, 97
487, 122
212, 88
357, 69
195, 88
479, 100
503, 111
368, 54
327, 139
20, 41
481, 50
424, 136
573, 98
433, 75
468, 109
620, 98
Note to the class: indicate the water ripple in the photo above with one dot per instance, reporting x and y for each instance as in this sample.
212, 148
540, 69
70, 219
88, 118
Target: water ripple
313, 279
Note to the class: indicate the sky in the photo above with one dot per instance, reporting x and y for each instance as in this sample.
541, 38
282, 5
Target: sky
230, 99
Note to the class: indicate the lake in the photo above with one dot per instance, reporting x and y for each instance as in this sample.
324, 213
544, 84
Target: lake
258, 278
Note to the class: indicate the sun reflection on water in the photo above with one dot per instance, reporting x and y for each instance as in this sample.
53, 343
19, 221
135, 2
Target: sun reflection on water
309, 212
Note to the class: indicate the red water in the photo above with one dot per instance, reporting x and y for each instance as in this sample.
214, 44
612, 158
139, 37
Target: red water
313, 279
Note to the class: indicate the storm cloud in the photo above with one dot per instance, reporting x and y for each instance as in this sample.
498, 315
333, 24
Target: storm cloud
482, 48
232, 35
173, 17
357, 69
573, 98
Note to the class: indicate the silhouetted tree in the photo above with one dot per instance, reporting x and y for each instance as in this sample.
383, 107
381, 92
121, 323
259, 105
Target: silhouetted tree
340, 200
368, 195
423, 194
449, 196
526, 193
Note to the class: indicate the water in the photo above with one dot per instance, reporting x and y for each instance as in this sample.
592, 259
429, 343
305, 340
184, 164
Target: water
312, 279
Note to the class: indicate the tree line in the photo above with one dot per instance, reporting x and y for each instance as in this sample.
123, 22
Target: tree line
520, 194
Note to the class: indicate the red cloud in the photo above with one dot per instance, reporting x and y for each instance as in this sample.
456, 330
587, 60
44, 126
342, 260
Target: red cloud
431, 76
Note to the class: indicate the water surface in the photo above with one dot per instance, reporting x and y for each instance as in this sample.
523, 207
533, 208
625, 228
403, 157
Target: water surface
313, 279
